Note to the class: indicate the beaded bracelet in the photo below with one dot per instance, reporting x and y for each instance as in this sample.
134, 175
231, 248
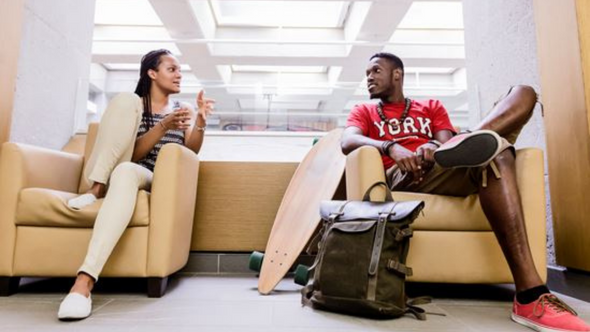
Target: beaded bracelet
385, 146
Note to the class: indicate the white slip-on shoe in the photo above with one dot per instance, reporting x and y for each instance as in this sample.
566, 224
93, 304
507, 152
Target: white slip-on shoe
75, 306
472, 149
81, 201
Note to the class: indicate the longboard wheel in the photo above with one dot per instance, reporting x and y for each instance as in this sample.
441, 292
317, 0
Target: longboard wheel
301, 275
315, 140
255, 261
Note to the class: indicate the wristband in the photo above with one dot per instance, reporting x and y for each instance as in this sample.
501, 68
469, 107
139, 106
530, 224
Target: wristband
435, 142
201, 128
386, 146
161, 124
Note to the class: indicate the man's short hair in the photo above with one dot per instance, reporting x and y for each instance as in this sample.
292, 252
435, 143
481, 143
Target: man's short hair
393, 59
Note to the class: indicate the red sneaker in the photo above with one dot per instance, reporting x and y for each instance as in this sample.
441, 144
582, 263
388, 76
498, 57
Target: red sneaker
548, 314
471, 149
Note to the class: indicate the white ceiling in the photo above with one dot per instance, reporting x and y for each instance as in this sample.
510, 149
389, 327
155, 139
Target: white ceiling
293, 58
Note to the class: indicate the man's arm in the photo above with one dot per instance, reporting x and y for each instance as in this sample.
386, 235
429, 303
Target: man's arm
427, 150
353, 138
443, 135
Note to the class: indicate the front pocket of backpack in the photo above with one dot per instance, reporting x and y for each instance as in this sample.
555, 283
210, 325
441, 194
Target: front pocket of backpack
346, 259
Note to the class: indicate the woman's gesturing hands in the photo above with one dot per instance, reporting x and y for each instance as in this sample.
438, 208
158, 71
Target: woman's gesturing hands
179, 119
205, 105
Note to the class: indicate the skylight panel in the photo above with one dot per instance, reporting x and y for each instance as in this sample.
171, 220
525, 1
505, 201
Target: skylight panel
124, 48
138, 33
300, 14
429, 70
134, 66
433, 15
428, 37
128, 12
282, 69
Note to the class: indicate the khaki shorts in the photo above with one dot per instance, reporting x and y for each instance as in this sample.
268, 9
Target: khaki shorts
448, 181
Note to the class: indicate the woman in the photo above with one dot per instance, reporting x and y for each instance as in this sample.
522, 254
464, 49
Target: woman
133, 128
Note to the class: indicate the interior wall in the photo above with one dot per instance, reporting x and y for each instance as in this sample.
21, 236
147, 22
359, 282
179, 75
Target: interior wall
53, 71
501, 51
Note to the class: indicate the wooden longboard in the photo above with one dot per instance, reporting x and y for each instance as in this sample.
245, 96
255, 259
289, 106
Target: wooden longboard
316, 179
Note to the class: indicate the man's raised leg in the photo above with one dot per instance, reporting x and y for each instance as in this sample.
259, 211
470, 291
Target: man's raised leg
511, 113
484, 142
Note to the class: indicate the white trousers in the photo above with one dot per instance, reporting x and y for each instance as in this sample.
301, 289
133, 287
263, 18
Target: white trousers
109, 163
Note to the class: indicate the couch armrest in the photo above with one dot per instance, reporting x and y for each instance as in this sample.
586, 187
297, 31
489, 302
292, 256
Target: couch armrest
172, 209
36, 167
363, 168
25, 166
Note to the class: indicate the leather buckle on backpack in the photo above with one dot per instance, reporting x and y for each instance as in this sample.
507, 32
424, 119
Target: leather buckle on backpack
400, 234
399, 267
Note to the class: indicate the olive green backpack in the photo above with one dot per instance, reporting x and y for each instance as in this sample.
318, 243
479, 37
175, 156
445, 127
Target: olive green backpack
360, 268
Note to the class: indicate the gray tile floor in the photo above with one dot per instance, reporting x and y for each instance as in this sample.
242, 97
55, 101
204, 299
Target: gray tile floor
199, 302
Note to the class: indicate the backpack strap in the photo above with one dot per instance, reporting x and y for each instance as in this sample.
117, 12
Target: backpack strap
412, 306
419, 313
307, 293
332, 218
400, 234
399, 267
388, 196
321, 237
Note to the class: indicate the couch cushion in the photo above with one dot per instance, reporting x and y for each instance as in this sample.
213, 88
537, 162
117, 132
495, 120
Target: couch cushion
46, 207
447, 213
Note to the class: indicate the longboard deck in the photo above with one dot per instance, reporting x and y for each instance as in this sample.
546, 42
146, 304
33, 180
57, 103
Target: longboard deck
316, 179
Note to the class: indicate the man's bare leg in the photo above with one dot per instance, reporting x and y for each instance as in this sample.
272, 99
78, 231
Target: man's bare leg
511, 113
501, 203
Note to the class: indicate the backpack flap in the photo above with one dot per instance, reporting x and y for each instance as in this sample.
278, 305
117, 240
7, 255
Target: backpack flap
361, 210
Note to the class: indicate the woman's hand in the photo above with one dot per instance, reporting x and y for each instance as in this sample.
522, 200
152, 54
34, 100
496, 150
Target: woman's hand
179, 119
205, 106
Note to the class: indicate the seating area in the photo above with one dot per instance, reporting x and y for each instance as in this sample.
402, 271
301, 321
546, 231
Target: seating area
42, 237
211, 107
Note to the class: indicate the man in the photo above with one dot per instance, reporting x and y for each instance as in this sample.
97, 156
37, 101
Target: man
422, 154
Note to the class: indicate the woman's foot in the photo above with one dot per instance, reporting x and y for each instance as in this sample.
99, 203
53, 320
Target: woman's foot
75, 306
98, 190
78, 303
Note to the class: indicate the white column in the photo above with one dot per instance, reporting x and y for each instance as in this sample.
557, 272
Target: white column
500, 51
53, 71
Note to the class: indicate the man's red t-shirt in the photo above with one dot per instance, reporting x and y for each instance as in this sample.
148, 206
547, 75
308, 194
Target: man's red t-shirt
423, 121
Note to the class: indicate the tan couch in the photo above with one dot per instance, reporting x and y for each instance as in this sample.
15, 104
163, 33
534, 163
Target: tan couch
453, 241
41, 236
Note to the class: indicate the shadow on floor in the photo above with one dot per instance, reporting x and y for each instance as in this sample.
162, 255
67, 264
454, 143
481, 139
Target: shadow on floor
105, 286
497, 292
570, 282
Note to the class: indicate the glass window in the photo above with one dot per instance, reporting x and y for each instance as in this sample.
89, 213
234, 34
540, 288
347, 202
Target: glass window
282, 72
